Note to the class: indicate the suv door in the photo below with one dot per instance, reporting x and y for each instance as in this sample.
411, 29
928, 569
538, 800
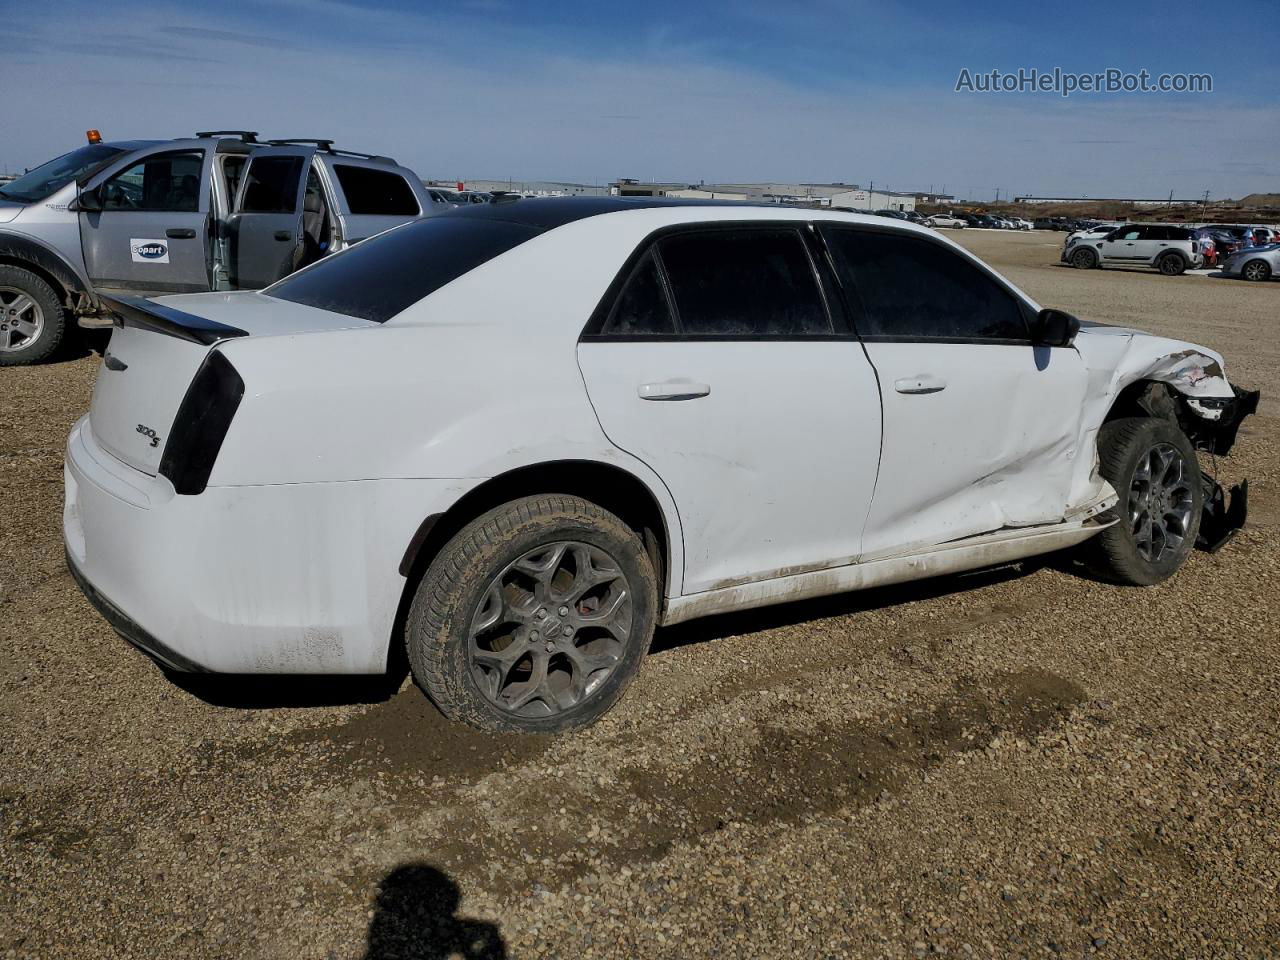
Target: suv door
980, 426
715, 361
265, 230
1127, 245
152, 234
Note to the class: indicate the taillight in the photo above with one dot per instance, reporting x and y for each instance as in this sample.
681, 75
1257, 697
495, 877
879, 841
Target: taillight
201, 425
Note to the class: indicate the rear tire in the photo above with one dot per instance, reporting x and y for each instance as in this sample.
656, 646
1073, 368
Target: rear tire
1154, 469
534, 618
32, 321
1256, 270
1084, 259
1171, 265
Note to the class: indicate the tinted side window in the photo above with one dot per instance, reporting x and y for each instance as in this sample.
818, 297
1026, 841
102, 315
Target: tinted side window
641, 307
164, 181
379, 277
376, 192
755, 283
915, 289
272, 185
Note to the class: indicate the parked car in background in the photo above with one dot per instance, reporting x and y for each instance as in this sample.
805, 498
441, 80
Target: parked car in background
218, 211
1020, 224
323, 478
447, 198
1093, 232
946, 220
1254, 263
894, 214
914, 216
1169, 249
1044, 223
473, 196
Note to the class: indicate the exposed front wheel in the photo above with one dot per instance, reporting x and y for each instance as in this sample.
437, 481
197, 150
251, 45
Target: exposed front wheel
31, 318
1153, 468
1084, 259
534, 618
1256, 270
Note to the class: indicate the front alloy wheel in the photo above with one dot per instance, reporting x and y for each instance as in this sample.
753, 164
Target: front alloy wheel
1153, 468
1256, 270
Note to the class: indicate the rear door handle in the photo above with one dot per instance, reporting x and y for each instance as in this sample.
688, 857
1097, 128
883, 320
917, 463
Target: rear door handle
673, 390
921, 383
284, 235
180, 233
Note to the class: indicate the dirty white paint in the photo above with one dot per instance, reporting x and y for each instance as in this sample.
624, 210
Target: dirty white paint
800, 470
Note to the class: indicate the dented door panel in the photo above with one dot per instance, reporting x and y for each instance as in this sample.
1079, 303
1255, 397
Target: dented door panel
996, 446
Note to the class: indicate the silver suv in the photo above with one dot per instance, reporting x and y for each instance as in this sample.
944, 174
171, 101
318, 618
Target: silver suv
1170, 249
218, 211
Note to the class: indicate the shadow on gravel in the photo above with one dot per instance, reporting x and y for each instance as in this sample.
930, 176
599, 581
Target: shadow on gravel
839, 605
415, 918
277, 691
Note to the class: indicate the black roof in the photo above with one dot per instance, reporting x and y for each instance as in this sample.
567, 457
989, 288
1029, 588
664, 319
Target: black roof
546, 213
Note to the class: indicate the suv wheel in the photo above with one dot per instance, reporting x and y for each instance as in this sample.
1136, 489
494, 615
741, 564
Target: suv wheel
1154, 469
534, 618
31, 318
1256, 270
1171, 265
1084, 259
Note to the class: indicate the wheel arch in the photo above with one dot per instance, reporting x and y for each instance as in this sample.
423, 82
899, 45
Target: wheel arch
616, 489
46, 263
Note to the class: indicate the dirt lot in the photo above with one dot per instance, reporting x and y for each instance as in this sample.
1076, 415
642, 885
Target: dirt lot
1015, 763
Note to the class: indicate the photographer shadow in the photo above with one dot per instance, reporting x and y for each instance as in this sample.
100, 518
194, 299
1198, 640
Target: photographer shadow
415, 918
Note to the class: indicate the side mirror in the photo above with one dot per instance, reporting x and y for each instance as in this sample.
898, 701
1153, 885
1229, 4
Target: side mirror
1054, 328
89, 201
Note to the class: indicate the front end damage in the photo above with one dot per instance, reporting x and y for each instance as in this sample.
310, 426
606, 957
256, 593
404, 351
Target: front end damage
1154, 376
1211, 423
1223, 514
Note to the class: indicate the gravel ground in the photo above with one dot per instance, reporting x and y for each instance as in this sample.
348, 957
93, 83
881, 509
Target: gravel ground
1019, 763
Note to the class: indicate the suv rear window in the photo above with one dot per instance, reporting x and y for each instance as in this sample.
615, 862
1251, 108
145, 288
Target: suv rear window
381, 276
376, 192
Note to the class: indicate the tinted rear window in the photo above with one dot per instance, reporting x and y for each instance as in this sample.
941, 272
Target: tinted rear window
376, 192
381, 276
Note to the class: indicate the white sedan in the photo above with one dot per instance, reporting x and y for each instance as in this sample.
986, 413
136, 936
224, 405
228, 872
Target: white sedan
945, 220
518, 438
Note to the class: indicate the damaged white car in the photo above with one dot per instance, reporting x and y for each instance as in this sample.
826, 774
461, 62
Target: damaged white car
518, 438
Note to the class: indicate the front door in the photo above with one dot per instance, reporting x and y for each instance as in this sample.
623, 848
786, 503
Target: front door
265, 230
980, 426
152, 235
1127, 245
718, 365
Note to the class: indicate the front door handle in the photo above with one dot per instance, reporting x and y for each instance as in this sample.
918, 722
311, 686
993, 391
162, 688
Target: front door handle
284, 235
920, 383
180, 233
673, 390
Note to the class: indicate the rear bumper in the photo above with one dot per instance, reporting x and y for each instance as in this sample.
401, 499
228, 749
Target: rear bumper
280, 578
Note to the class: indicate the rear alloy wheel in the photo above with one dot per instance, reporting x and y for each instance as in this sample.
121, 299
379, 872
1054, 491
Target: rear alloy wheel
1084, 259
1256, 270
31, 319
1154, 469
534, 618
1171, 265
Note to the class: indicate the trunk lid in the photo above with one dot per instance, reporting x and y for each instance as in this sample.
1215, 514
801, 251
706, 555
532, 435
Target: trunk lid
153, 356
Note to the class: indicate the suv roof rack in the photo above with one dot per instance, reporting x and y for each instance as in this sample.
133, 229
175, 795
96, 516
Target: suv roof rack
328, 147
248, 136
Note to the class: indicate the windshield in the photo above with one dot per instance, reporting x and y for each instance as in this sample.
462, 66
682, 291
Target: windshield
48, 178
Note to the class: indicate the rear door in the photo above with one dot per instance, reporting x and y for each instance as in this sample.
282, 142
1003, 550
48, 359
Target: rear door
718, 365
980, 426
153, 232
265, 231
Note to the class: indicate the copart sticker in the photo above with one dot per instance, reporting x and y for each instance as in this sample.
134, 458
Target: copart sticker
149, 251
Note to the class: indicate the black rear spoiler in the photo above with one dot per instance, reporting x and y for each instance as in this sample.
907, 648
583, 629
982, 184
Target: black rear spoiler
137, 312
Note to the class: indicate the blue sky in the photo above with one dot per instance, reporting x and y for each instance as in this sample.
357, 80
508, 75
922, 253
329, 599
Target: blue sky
714, 91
